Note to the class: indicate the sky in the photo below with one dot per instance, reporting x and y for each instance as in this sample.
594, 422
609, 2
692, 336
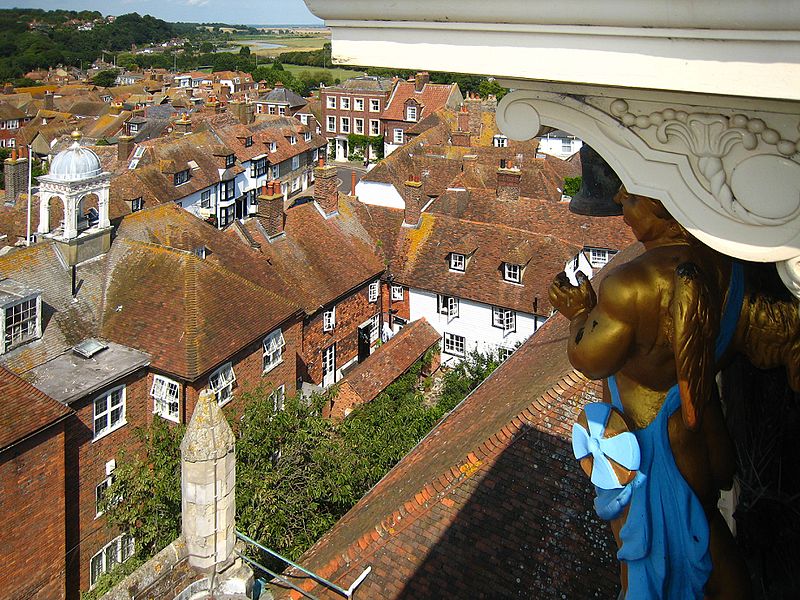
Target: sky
248, 12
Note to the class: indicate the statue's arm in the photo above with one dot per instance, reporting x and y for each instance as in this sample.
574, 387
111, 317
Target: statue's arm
601, 330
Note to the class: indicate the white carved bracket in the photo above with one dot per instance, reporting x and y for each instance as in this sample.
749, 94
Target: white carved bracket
729, 176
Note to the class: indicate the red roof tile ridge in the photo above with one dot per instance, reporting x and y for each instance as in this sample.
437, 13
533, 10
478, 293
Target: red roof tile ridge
192, 309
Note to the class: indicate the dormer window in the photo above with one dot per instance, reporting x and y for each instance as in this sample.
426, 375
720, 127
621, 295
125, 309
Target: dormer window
512, 273
273, 146
458, 262
500, 141
307, 136
411, 112
230, 160
248, 141
22, 310
181, 177
292, 140
137, 204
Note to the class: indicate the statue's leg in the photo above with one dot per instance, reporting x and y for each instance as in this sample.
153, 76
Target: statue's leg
729, 579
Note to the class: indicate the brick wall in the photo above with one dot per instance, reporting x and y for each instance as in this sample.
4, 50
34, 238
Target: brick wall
32, 543
337, 112
85, 463
401, 306
248, 368
351, 312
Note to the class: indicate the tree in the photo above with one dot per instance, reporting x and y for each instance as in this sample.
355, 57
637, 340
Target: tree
244, 51
105, 78
490, 86
206, 48
572, 185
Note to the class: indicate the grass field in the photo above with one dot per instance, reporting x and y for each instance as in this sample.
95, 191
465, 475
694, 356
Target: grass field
287, 43
336, 73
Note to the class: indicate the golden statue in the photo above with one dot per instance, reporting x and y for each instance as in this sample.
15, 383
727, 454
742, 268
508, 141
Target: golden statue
659, 451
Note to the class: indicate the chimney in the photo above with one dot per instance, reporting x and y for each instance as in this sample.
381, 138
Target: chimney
462, 136
352, 183
326, 192
249, 112
270, 209
15, 170
420, 80
463, 119
473, 106
183, 125
508, 178
48, 100
116, 108
124, 147
413, 199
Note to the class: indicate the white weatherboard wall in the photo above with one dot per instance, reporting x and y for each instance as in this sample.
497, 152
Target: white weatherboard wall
379, 194
474, 324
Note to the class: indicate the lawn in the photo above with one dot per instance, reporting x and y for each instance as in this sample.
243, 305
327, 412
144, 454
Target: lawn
335, 72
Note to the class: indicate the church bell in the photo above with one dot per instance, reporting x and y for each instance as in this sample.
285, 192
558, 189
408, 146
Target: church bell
599, 185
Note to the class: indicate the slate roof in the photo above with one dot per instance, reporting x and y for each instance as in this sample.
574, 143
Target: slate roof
431, 98
364, 83
390, 360
491, 504
282, 96
163, 299
24, 410
320, 259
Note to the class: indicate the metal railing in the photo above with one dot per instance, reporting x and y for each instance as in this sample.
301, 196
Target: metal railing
346, 593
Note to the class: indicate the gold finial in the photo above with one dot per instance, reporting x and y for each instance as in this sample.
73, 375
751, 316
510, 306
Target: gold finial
76, 135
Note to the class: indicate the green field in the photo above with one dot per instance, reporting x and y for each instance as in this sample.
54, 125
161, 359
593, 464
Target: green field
288, 43
335, 72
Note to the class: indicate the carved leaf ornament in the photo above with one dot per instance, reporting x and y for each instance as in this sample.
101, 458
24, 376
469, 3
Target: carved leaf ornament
607, 451
762, 189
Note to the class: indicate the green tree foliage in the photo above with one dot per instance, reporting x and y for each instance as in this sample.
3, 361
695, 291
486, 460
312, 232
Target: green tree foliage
572, 185
244, 50
297, 473
490, 86
105, 78
206, 48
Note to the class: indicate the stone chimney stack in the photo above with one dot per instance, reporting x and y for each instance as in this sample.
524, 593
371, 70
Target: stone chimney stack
270, 209
15, 170
48, 101
413, 198
473, 105
183, 125
248, 112
235, 108
326, 189
508, 177
421, 79
462, 137
208, 486
124, 147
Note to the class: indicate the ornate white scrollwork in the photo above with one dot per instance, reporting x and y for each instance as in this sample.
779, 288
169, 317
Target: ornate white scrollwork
789, 270
710, 139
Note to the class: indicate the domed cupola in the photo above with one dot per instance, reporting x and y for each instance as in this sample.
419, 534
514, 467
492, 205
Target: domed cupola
75, 163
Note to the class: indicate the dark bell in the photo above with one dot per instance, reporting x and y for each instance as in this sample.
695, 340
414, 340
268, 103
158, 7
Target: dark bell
599, 185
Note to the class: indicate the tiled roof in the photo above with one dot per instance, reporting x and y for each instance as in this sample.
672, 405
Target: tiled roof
391, 360
365, 83
283, 96
190, 314
432, 97
24, 409
421, 261
9, 111
321, 259
491, 504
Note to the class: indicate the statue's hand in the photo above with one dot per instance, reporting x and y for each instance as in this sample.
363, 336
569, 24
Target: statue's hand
571, 300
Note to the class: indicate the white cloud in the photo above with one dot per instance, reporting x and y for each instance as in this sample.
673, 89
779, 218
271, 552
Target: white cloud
196, 2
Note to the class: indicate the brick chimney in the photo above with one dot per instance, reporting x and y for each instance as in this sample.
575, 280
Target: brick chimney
326, 188
124, 147
15, 170
248, 113
462, 136
183, 125
413, 199
420, 80
270, 209
116, 108
508, 177
473, 105
235, 108
48, 100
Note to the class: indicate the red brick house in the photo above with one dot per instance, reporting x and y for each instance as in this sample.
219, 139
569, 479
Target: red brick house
11, 119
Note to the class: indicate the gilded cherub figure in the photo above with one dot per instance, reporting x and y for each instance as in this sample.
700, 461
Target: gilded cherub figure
657, 333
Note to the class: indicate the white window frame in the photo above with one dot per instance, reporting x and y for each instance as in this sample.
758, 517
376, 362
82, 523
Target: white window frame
375, 330
374, 291
599, 257
331, 102
447, 305
358, 104
295, 162
504, 353
99, 491
458, 262
331, 125
221, 383
344, 124
273, 146
512, 273
115, 552
374, 127
375, 105
344, 103
398, 136
166, 391
107, 413
137, 204
504, 318
500, 141
292, 140
307, 136
329, 319
411, 112
358, 125
275, 171
278, 397
454, 345
272, 347
29, 327
398, 294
